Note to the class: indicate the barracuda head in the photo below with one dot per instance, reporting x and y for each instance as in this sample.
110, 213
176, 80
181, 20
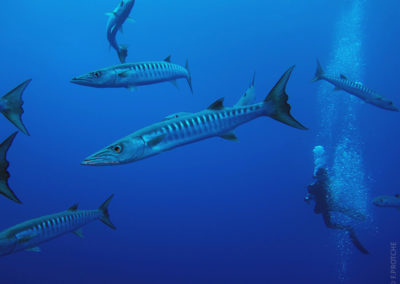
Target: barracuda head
387, 201
99, 78
126, 150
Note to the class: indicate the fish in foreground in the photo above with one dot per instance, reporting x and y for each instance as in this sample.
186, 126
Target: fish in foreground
184, 128
115, 21
355, 88
132, 75
30, 234
4, 175
387, 201
11, 106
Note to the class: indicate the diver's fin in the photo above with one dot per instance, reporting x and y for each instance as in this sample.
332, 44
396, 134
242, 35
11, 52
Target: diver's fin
105, 218
343, 77
189, 76
4, 175
73, 207
175, 83
318, 73
122, 53
231, 136
168, 58
217, 105
276, 102
78, 233
34, 249
249, 96
156, 140
12, 103
356, 242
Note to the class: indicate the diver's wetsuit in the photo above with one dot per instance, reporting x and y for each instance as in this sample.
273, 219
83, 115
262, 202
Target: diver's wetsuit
319, 192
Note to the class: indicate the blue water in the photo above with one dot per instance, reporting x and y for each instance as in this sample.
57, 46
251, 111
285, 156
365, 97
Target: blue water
213, 211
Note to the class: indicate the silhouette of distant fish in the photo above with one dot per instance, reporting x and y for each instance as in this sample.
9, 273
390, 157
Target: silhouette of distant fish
355, 88
11, 106
184, 128
115, 21
4, 175
387, 201
28, 235
132, 75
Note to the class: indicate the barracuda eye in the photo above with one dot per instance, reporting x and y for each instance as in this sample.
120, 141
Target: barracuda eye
117, 148
97, 74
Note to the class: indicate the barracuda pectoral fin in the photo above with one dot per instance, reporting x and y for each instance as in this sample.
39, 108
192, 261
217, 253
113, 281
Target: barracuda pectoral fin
34, 249
123, 74
78, 233
155, 140
217, 105
132, 88
25, 236
343, 77
110, 14
73, 207
131, 20
175, 83
231, 136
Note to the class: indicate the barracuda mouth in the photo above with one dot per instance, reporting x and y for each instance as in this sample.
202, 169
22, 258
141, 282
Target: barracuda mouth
80, 80
102, 158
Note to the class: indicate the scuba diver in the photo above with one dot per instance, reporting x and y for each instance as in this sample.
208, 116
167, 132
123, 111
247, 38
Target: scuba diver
325, 204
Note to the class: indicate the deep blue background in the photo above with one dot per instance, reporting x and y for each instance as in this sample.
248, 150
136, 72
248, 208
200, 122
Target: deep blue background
214, 211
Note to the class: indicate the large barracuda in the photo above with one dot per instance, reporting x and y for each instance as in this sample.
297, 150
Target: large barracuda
184, 128
11, 106
115, 21
4, 174
355, 88
132, 75
387, 201
28, 235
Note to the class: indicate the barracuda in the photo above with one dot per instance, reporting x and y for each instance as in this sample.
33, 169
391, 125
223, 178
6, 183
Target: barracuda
30, 234
132, 75
355, 88
387, 201
115, 21
184, 128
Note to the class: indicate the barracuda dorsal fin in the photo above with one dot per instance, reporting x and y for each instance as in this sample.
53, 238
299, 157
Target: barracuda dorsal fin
168, 58
249, 96
231, 136
217, 105
73, 207
176, 115
4, 174
123, 74
343, 77
78, 233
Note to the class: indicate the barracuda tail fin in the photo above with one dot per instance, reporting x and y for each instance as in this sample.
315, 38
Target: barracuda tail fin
189, 77
4, 175
276, 102
106, 217
318, 73
122, 53
12, 106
